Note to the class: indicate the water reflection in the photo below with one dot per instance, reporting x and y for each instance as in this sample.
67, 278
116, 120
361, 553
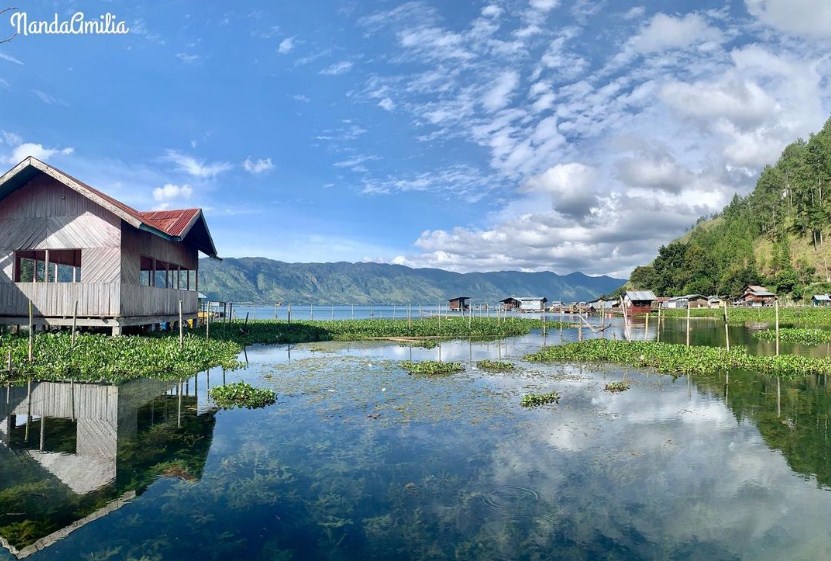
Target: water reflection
359, 460
73, 452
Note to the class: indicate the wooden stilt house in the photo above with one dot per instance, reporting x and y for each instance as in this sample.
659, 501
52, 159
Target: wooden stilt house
65, 245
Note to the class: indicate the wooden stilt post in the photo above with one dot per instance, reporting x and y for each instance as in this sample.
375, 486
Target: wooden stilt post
181, 328
289, 312
231, 312
74, 323
31, 333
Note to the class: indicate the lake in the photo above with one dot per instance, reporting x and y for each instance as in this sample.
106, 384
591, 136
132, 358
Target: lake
359, 460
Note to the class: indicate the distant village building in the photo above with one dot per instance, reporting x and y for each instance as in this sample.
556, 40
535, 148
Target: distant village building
821, 300
459, 304
637, 302
65, 246
686, 301
715, 302
755, 295
525, 303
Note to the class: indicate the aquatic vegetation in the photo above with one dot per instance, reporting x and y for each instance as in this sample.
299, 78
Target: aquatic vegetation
804, 317
241, 394
616, 387
680, 359
496, 365
100, 358
432, 367
795, 335
537, 399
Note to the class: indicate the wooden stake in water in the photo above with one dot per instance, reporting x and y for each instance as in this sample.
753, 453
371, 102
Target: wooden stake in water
289, 314
688, 324
74, 323
658, 329
646, 328
208, 324
181, 328
726, 331
776, 308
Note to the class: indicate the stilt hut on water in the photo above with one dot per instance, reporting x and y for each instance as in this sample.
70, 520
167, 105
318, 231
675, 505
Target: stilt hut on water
64, 244
459, 304
637, 302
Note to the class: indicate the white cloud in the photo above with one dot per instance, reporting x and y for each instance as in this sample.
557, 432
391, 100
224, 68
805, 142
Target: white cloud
49, 99
286, 45
809, 18
10, 58
337, 68
194, 167
257, 166
500, 94
572, 187
386, 104
544, 5
188, 58
668, 32
22, 150
171, 192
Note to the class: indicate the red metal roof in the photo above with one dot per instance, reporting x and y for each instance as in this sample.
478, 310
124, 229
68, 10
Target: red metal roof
171, 222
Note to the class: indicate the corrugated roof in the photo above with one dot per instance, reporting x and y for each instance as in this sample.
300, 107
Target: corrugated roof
640, 295
824, 297
759, 290
175, 224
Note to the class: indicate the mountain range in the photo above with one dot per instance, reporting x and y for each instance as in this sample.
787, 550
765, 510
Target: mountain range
260, 280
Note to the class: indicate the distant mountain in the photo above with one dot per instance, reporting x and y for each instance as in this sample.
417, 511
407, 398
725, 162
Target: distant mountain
256, 279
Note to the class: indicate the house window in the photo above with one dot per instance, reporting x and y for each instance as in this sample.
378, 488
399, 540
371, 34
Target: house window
160, 280
51, 265
146, 274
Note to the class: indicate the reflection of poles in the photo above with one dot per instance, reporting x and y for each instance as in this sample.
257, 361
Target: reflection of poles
778, 396
179, 407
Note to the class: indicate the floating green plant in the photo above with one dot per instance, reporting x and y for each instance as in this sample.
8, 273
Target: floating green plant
496, 365
616, 387
788, 316
537, 399
241, 394
795, 335
432, 367
680, 359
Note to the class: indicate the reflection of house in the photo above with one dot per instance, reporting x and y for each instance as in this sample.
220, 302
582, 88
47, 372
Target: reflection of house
86, 445
755, 295
821, 300
460, 303
525, 303
636, 302
64, 244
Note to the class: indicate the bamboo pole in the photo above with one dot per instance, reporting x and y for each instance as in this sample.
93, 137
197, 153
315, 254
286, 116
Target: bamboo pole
181, 328
646, 328
688, 324
289, 313
230, 312
776, 308
658, 329
208, 323
726, 330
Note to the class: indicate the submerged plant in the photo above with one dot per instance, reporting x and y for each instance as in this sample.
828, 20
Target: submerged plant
241, 394
537, 399
616, 387
432, 367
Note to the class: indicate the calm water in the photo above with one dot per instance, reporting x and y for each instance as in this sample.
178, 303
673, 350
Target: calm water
359, 460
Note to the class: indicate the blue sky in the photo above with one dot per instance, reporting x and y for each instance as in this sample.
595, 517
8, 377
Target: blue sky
527, 135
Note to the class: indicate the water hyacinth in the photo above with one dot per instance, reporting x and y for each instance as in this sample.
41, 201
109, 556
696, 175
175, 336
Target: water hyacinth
241, 394
495, 365
680, 359
432, 367
616, 387
795, 335
538, 399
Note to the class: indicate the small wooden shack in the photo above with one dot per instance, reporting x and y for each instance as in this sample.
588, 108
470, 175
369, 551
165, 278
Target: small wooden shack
821, 300
755, 295
637, 302
72, 250
459, 304
524, 303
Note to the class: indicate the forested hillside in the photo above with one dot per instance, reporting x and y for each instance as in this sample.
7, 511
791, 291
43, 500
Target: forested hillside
254, 279
776, 235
